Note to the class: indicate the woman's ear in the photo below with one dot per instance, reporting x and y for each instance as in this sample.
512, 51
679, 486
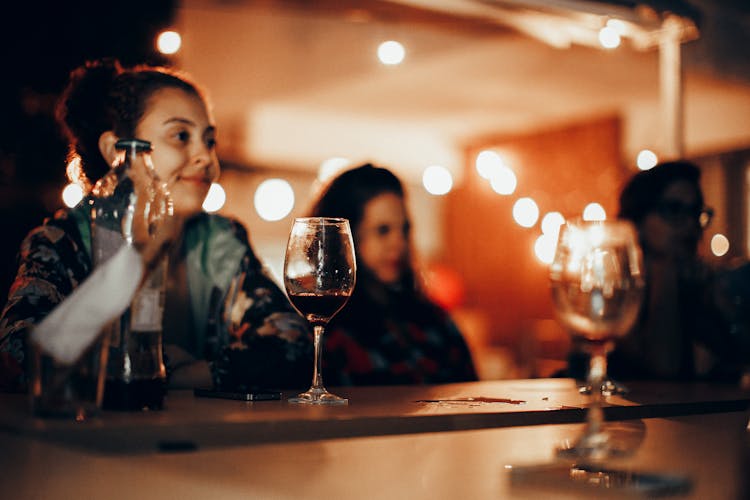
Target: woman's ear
107, 148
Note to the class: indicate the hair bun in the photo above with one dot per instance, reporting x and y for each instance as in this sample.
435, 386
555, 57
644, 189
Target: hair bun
81, 110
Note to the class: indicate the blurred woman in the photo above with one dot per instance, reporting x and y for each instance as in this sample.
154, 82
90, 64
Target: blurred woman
389, 332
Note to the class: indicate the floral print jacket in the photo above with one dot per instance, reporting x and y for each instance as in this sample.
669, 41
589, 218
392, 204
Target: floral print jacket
268, 343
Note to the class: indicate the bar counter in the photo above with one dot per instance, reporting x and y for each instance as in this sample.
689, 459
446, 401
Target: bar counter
389, 442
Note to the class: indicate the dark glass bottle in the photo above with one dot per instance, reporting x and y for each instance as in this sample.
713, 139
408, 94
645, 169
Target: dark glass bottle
127, 206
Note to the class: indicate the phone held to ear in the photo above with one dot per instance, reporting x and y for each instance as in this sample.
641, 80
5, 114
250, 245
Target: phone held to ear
254, 395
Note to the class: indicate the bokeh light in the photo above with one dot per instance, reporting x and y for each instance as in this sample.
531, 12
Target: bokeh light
391, 53
274, 199
215, 198
617, 25
525, 212
544, 248
719, 245
551, 223
646, 159
168, 42
437, 180
594, 211
503, 180
331, 167
72, 194
609, 38
487, 163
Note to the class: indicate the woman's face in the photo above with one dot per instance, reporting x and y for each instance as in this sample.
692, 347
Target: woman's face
672, 230
383, 237
182, 135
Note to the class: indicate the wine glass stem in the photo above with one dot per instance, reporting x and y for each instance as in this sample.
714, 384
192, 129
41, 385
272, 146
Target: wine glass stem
317, 381
597, 367
597, 375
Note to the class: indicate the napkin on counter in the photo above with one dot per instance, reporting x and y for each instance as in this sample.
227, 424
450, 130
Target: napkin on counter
77, 321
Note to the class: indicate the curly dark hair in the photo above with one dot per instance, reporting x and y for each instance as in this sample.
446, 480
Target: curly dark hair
101, 95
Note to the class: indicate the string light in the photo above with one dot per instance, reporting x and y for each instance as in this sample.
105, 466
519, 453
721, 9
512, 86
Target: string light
274, 199
594, 211
437, 180
719, 245
391, 53
525, 212
168, 42
215, 198
646, 159
609, 38
72, 194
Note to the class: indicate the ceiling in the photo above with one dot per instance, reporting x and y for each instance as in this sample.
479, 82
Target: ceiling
294, 82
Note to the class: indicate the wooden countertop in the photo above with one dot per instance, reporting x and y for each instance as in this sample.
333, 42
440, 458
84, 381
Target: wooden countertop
190, 423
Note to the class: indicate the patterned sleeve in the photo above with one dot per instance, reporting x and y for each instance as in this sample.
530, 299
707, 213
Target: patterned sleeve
51, 264
269, 343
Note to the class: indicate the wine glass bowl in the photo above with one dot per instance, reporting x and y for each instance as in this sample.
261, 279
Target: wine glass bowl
597, 288
319, 276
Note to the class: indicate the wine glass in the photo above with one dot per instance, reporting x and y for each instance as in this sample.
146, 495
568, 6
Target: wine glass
319, 275
597, 289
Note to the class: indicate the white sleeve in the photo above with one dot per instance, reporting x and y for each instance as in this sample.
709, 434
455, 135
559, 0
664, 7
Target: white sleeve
77, 321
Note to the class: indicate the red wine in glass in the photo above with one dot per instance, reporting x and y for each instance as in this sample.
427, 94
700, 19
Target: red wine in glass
319, 308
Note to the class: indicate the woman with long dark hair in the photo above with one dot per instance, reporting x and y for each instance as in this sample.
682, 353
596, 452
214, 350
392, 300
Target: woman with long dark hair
389, 332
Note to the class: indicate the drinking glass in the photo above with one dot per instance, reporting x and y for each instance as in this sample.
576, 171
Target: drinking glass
597, 289
319, 275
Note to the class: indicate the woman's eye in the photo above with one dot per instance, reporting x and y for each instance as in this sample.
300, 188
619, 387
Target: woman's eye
383, 230
211, 143
183, 136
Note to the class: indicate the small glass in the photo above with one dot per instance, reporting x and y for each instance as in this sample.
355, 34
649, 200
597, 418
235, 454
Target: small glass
69, 391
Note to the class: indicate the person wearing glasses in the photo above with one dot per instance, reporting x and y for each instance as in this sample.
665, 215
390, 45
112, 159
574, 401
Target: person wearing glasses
681, 333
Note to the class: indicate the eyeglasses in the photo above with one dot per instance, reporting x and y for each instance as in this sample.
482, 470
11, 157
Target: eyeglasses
675, 212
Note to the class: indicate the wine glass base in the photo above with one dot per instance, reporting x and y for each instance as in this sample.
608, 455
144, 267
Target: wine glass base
318, 397
614, 440
608, 388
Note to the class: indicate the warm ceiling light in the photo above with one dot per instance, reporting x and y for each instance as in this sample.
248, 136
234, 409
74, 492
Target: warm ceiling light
503, 180
274, 199
168, 42
72, 194
594, 211
617, 25
719, 245
525, 212
544, 248
215, 198
551, 223
646, 159
487, 163
391, 53
437, 180
609, 38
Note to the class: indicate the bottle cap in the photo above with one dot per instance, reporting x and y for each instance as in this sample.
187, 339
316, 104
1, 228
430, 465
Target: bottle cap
137, 144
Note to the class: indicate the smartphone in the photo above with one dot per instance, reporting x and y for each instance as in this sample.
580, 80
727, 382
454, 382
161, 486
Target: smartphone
255, 395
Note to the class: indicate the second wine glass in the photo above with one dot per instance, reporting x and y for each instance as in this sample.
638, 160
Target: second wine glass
597, 289
319, 275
